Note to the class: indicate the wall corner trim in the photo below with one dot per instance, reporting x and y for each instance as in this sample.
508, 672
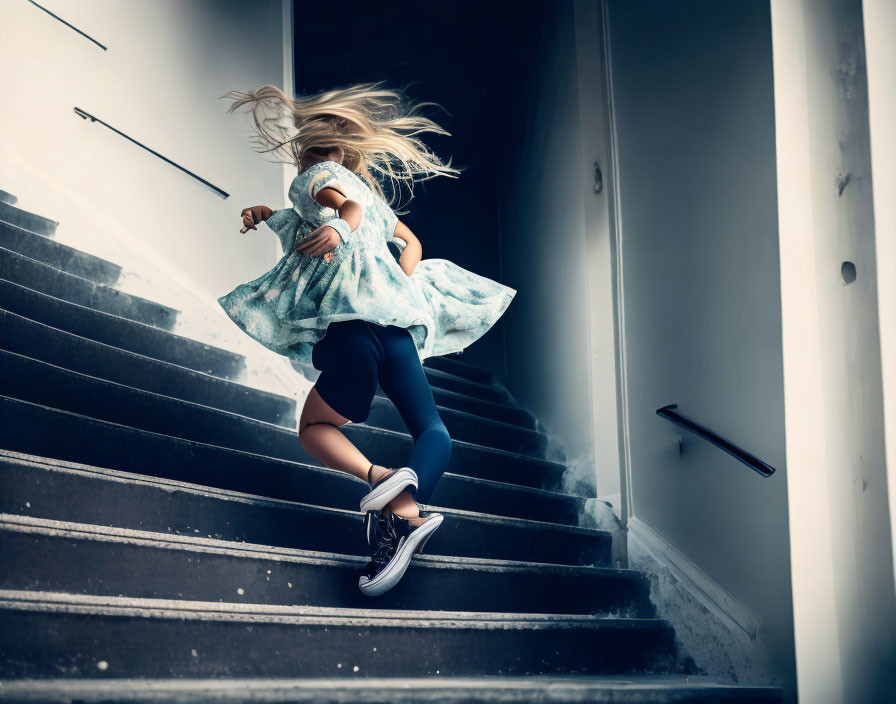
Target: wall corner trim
700, 585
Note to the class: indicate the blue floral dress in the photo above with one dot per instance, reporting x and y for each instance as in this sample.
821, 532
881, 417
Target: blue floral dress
288, 309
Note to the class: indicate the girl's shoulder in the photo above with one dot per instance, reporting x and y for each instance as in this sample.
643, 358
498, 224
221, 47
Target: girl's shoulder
323, 172
333, 167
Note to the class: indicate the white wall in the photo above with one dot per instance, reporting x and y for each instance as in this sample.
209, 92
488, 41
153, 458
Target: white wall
159, 81
879, 25
840, 527
600, 248
694, 120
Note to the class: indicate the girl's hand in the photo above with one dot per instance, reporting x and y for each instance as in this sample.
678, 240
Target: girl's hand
254, 215
322, 240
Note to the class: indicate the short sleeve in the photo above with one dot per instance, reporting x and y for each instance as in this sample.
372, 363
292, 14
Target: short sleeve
307, 185
320, 179
398, 242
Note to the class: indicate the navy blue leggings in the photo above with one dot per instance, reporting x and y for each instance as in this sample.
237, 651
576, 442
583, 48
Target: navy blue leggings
352, 357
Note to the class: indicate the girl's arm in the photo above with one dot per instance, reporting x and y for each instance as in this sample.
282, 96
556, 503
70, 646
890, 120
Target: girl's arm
349, 210
327, 238
413, 251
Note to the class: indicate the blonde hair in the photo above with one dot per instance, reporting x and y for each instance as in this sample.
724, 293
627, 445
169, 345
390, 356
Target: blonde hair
370, 125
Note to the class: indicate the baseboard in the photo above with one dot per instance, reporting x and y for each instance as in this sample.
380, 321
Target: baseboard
700, 585
719, 632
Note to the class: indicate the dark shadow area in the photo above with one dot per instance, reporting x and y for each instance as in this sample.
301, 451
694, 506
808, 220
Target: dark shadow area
471, 58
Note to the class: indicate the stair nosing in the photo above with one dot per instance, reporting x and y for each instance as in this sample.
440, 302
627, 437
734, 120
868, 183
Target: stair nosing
55, 223
183, 609
193, 689
20, 523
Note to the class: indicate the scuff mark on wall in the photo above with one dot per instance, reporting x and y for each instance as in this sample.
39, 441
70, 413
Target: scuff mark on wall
842, 182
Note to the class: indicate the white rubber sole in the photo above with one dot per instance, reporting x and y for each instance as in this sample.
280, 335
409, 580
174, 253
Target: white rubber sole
396, 483
394, 571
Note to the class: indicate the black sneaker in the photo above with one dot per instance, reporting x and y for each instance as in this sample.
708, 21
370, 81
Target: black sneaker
383, 540
397, 541
387, 488
375, 522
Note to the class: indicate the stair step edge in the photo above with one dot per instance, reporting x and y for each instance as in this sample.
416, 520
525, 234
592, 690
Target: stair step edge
572, 689
52, 528
26, 600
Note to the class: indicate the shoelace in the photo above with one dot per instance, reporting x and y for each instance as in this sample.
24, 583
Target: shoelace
386, 538
382, 554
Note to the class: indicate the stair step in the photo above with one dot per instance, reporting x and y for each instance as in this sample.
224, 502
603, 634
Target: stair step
42, 277
40, 383
58, 255
120, 332
61, 490
27, 220
87, 559
451, 365
48, 633
80, 354
6, 197
502, 412
450, 382
553, 689
467, 427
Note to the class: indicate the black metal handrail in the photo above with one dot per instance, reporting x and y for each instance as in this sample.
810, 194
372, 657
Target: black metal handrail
68, 24
736, 452
87, 116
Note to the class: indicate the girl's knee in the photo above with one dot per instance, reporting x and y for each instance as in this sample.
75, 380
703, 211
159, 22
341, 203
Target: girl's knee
437, 434
303, 429
317, 411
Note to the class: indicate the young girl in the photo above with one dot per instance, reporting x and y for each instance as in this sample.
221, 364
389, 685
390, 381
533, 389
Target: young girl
339, 299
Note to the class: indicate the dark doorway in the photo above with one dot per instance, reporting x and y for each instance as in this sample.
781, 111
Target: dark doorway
473, 58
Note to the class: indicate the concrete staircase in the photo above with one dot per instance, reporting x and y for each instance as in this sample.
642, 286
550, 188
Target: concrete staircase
164, 537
